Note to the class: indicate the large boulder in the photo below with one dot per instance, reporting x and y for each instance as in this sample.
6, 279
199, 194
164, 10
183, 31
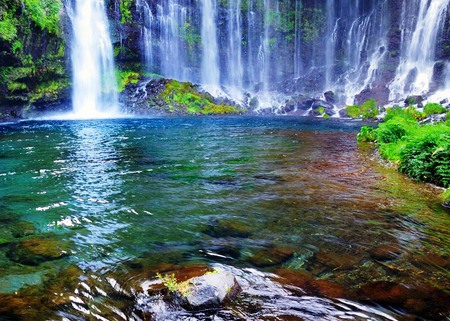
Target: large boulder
380, 94
208, 291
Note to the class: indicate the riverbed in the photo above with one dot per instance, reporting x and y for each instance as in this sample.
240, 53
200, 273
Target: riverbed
314, 226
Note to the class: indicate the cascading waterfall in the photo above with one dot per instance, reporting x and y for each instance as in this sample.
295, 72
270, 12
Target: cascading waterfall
235, 70
94, 81
210, 72
305, 47
415, 72
172, 21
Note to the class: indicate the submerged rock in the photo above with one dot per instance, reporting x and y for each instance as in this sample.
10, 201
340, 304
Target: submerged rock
208, 291
271, 256
224, 228
34, 251
22, 228
385, 252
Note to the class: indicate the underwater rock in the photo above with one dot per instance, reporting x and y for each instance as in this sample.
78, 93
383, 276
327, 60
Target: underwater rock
335, 261
34, 251
311, 286
224, 228
385, 252
271, 256
22, 228
208, 291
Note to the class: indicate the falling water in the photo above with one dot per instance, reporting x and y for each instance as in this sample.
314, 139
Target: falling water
298, 66
415, 72
210, 74
94, 82
146, 31
331, 43
235, 69
172, 20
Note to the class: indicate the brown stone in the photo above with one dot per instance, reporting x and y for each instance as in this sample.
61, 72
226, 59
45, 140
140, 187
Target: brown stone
385, 252
271, 256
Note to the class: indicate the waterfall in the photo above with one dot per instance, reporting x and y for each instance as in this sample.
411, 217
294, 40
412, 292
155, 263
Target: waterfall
146, 32
298, 66
330, 43
94, 82
210, 72
172, 21
235, 70
415, 72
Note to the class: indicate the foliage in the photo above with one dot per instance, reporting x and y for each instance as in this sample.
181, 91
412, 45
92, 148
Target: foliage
446, 195
188, 34
45, 13
8, 30
368, 110
410, 113
126, 77
421, 151
172, 284
433, 108
312, 23
366, 134
125, 11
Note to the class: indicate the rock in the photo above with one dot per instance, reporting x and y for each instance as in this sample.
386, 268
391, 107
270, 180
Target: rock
380, 94
335, 261
224, 228
271, 256
208, 291
22, 228
320, 107
414, 100
385, 252
34, 251
330, 97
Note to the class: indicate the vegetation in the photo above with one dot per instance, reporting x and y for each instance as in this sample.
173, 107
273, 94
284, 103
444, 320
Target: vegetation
422, 152
433, 108
172, 284
368, 110
126, 77
125, 11
183, 97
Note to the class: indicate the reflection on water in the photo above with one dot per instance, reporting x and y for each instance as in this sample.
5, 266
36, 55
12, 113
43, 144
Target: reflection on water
123, 199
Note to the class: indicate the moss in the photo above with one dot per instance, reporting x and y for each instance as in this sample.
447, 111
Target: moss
368, 110
125, 11
8, 30
313, 23
49, 91
44, 13
183, 97
126, 77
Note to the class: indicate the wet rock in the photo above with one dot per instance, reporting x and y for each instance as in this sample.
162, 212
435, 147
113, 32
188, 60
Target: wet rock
34, 251
442, 261
380, 94
271, 256
22, 228
224, 228
320, 107
310, 285
330, 97
385, 252
334, 261
208, 291
414, 100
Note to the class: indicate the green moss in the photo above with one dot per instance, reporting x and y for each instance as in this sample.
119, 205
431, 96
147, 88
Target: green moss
125, 11
8, 30
368, 110
183, 97
49, 90
312, 23
188, 33
126, 77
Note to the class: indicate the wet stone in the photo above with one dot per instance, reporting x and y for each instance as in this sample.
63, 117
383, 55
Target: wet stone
224, 228
34, 251
208, 291
271, 256
334, 260
22, 228
385, 252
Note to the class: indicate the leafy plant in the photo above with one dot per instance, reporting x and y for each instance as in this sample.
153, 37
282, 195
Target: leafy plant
433, 108
368, 110
172, 284
366, 134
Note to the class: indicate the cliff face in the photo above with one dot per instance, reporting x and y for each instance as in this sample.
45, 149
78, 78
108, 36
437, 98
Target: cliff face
354, 48
34, 71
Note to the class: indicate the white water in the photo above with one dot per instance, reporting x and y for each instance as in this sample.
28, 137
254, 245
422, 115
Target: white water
415, 72
210, 72
94, 82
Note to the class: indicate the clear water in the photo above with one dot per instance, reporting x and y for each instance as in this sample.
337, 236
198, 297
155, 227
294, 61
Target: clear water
133, 197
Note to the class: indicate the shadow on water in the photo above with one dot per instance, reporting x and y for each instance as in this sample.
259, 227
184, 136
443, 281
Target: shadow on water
313, 226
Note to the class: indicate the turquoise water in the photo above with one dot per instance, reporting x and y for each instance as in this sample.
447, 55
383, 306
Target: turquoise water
117, 197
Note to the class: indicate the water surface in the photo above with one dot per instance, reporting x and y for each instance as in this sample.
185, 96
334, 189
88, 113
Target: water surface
292, 206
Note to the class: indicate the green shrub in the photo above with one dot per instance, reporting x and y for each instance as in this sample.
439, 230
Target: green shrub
126, 77
390, 132
433, 108
366, 134
353, 111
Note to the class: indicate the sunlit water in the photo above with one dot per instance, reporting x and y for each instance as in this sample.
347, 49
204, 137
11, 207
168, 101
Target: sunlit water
131, 197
